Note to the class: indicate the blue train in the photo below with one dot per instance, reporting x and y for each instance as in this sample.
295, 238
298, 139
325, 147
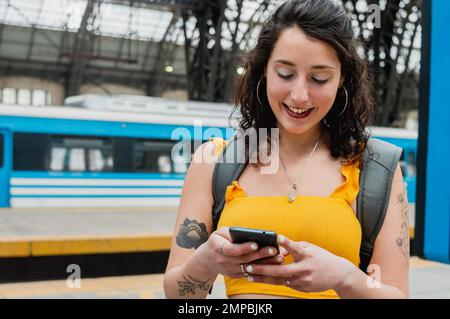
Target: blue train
96, 156
89, 154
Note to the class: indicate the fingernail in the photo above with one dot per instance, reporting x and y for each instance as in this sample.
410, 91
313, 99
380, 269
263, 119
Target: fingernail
254, 246
271, 251
280, 259
280, 238
250, 278
249, 268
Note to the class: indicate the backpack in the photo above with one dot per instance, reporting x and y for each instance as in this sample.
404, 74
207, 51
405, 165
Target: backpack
379, 163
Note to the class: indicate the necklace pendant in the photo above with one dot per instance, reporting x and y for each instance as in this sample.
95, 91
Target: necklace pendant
292, 193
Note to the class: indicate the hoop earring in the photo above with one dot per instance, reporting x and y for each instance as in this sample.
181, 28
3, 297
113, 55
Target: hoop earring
346, 101
257, 92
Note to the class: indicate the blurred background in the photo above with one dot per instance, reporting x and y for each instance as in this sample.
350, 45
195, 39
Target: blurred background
91, 93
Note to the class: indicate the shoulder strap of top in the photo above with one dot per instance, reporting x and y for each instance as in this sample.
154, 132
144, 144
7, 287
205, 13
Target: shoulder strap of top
228, 168
349, 189
379, 163
219, 144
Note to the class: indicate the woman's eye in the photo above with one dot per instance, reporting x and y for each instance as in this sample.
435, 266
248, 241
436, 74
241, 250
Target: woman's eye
320, 81
285, 76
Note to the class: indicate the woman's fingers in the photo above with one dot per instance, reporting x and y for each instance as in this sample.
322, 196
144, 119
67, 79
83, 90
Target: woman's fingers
229, 249
224, 232
260, 255
296, 249
283, 251
277, 260
273, 270
224, 246
267, 280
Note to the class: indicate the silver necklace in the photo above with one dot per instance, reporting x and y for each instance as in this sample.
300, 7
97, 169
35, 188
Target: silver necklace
293, 192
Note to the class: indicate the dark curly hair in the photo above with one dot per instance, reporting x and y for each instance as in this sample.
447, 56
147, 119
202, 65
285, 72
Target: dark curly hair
327, 21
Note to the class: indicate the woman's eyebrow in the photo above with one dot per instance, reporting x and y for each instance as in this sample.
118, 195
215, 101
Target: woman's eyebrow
322, 66
284, 62
319, 66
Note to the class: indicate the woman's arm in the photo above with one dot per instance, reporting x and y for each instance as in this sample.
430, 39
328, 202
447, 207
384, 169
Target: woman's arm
196, 257
186, 276
389, 265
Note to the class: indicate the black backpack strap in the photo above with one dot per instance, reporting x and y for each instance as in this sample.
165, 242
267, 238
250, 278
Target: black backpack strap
379, 163
229, 167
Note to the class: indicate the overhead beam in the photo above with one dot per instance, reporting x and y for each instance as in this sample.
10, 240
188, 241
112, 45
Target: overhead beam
83, 41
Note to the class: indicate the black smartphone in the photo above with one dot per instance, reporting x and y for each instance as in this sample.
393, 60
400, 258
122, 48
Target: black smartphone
263, 238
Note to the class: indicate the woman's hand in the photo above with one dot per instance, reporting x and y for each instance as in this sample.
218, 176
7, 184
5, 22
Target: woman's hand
314, 268
220, 256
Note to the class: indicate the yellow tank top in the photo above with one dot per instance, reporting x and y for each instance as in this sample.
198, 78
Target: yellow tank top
328, 222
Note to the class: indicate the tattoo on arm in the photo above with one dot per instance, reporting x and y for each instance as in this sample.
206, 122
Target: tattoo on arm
191, 234
189, 285
403, 238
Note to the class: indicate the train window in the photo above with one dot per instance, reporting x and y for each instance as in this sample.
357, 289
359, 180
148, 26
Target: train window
123, 154
30, 152
1, 150
152, 156
182, 154
97, 162
164, 164
57, 158
69, 153
76, 160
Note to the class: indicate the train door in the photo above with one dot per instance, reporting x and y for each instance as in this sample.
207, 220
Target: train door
5, 165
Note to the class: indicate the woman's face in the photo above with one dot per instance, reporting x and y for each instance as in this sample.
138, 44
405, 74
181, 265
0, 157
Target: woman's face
302, 74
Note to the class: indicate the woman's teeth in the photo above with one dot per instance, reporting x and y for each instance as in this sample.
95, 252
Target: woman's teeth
296, 110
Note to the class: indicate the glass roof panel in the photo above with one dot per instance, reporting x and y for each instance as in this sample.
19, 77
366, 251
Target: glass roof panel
46, 14
111, 20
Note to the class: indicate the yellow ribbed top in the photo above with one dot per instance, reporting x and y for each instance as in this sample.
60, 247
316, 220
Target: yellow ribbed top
328, 222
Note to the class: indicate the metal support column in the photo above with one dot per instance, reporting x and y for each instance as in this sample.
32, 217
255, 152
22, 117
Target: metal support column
433, 189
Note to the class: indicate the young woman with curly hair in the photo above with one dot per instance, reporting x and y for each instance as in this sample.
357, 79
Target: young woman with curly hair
305, 78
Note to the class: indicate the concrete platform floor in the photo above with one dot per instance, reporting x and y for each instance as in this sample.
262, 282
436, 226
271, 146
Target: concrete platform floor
61, 222
428, 280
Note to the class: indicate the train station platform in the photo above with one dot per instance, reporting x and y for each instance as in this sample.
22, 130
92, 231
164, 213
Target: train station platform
76, 231
39, 244
428, 280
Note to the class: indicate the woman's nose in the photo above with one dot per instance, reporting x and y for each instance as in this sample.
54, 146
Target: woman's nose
299, 92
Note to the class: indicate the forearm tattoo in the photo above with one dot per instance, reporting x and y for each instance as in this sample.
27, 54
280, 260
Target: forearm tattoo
190, 285
191, 234
403, 238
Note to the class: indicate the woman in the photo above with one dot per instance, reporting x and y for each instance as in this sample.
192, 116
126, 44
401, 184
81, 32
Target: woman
305, 78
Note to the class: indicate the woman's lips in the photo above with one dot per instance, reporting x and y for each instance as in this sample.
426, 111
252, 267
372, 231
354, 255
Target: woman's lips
297, 115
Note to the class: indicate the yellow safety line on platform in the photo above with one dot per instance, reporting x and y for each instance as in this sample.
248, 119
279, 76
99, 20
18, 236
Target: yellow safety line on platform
86, 245
14, 249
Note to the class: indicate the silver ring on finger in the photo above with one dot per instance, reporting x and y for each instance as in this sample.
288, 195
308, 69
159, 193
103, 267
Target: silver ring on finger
288, 281
243, 271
